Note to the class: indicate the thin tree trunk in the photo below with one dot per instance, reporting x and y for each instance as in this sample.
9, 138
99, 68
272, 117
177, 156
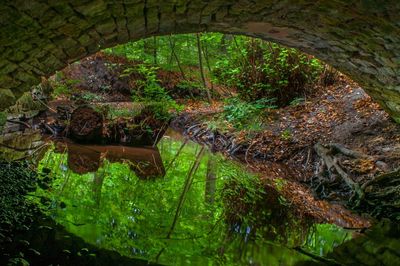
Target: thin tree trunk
245, 60
97, 185
173, 53
223, 44
201, 68
176, 155
211, 179
188, 184
172, 46
186, 187
206, 56
155, 50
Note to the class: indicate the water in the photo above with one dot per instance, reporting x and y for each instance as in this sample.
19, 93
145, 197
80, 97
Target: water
174, 204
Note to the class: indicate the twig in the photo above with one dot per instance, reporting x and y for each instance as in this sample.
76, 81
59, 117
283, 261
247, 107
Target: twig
19, 122
247, 151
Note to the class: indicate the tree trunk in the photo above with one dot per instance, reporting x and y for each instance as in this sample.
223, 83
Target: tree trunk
178, 62
201, 68
155, 50
206, 56
224, 44
186, 187
97, 185
211, 179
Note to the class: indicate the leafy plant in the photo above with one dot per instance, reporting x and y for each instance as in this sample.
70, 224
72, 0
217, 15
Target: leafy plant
286, 134
90, 97
259, 69
62, 86
152, 94
297, 101
239, 112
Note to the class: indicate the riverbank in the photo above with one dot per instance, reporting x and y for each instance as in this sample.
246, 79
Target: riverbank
334, 146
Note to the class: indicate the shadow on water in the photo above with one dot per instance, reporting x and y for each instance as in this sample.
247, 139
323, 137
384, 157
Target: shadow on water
49, 243
176, 204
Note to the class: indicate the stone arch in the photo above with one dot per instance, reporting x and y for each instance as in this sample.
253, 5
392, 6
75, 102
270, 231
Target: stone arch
360, 38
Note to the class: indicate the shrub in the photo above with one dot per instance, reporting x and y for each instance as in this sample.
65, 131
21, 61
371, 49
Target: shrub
152, 94
268, 70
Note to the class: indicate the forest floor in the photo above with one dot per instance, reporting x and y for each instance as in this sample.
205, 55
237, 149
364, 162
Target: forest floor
334, 149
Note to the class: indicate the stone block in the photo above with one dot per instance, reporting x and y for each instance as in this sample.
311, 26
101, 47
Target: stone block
7, 98
92, 8
106, 27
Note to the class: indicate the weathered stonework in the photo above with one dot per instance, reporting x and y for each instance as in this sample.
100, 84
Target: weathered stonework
360, 38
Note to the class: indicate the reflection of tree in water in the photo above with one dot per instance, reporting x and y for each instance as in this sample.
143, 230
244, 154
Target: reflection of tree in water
254, 208
206, 208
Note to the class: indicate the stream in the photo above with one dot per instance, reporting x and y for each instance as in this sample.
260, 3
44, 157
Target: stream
173, 204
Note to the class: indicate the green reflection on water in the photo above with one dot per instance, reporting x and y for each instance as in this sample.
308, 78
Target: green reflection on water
221, 214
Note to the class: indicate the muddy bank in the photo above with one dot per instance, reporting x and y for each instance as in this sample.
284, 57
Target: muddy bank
299, 195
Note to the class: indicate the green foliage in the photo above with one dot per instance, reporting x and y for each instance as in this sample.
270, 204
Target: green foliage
61, 89
152, 94
113, 112
254, 68
240, 113
62, 86
286, 134
259, 69
297, 101
187, 85
330, 236
90, 97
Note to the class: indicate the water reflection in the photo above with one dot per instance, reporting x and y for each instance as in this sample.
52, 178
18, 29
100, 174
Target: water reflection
21, 145
202, 208
144, 161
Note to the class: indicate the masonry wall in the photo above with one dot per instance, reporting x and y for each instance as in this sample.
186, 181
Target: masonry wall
361, 39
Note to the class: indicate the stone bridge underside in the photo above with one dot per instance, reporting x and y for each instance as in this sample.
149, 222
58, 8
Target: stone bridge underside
361, 39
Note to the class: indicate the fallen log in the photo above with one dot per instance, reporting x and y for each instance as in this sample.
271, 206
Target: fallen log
86, 124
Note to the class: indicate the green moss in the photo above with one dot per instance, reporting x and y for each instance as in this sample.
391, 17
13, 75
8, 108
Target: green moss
6, 97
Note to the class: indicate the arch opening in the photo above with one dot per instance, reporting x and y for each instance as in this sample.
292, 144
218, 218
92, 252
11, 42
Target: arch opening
361, 40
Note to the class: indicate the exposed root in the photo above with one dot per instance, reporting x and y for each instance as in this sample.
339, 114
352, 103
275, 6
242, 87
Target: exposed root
333, 166
382, 195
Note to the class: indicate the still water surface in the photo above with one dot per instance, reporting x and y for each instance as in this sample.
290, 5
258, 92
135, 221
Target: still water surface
175, 204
